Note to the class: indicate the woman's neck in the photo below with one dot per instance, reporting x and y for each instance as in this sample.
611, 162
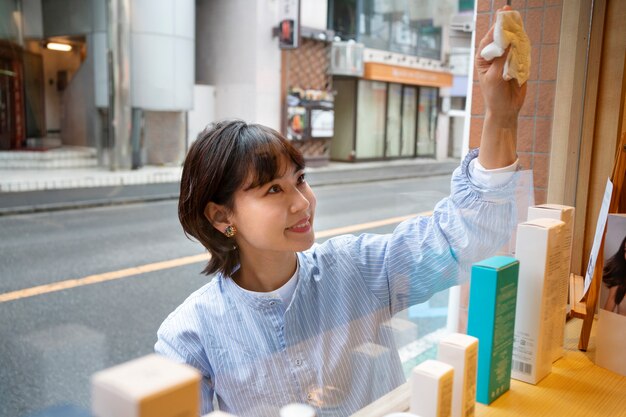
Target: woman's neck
266, 273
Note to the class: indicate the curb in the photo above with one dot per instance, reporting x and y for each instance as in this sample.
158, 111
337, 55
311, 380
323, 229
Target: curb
140, 193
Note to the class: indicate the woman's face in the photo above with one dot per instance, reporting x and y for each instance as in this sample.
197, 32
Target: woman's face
277, 216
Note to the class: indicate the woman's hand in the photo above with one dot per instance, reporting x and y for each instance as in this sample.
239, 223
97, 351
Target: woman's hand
503, 102
502, 98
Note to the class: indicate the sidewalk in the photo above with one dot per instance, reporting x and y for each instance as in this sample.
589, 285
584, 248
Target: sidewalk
32, 190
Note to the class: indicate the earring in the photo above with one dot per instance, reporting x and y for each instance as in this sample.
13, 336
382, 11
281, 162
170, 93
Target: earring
230, 231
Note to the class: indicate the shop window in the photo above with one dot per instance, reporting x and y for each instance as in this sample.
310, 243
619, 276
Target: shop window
394, 127
371, 102
427, 121
409, 114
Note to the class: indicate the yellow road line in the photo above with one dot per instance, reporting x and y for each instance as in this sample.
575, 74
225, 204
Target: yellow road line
173, 263
107, 276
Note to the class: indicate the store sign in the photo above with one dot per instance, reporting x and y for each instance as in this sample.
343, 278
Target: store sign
289, 24
405, 75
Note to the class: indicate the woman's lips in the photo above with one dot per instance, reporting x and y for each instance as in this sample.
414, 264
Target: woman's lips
302, 226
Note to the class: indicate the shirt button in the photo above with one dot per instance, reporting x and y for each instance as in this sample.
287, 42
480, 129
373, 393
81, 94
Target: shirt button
309, 397
272, 303
299, 362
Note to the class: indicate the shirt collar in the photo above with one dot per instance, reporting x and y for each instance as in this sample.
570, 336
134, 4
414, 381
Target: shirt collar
264, 301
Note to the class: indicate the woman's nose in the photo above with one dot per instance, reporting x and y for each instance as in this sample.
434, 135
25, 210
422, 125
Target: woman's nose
300, 201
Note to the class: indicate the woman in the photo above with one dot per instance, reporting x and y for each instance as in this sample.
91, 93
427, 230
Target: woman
614, 277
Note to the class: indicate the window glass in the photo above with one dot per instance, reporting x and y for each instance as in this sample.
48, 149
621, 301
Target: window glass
427, 121
409, 115
372, 98
402, 26
344, 21
394, 108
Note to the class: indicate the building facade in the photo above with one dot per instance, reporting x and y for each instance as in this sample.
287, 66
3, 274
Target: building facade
135, 80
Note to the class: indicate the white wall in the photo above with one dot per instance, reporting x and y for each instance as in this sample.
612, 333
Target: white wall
203, 111
314, 13
162, 54
236, 53
267, 65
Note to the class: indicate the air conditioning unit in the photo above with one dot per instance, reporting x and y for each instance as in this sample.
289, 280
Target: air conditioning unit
346, 58
462, 22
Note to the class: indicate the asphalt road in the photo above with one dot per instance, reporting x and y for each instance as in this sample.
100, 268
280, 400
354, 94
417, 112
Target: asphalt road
51, 343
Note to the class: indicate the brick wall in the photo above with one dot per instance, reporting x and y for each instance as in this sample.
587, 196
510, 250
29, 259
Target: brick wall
542, 20
307, 66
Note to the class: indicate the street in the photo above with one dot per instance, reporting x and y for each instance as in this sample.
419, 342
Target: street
52, 340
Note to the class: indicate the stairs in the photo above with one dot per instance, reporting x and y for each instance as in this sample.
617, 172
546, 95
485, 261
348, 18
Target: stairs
49, 158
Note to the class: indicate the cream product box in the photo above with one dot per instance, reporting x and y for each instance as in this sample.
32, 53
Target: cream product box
539, 299
431, 389
461, 352
491, 317
151, 386
566, 215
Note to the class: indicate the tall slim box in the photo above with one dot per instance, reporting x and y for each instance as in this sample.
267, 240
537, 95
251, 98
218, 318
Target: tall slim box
566, 215
461, 352
431, 389
491, 316
151, 386
539, 245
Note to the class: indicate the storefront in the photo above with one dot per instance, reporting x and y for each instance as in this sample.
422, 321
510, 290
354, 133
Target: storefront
389, 113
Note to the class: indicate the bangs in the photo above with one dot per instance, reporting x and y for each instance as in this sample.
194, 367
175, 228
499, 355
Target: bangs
268, 157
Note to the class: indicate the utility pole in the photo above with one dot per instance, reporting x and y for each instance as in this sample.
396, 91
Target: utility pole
118, 34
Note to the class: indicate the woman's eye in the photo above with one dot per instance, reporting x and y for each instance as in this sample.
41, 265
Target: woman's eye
301, 179
274, 189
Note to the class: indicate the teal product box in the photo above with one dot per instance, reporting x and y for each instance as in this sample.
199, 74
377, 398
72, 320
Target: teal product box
491, 319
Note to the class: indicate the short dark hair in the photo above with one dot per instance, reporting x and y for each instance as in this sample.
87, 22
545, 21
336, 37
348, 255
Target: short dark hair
224, 156
614, 273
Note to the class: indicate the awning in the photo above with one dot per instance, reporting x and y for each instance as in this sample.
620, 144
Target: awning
404, 75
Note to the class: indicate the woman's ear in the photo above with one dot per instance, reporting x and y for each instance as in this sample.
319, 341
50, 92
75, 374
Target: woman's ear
217, 215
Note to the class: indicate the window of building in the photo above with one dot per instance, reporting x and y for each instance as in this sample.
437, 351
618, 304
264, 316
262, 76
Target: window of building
399, 26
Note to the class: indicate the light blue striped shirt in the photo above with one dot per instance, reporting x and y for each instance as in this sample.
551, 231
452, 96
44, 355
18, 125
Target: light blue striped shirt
327, 347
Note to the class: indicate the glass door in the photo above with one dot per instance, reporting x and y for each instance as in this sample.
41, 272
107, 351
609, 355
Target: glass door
427, 121
372, 96
409, 115
394, 107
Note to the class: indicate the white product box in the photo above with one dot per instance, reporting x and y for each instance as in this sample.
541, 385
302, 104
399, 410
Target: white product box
431, 389
151, 386
566, 215
461, 352
539, 244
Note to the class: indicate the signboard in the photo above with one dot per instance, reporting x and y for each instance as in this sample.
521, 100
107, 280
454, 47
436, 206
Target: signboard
289, 24
406, 75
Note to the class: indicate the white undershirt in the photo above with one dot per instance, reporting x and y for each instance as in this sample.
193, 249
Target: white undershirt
285, 292
489, 178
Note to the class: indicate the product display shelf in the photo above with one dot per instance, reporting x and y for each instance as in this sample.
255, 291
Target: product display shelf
576, 387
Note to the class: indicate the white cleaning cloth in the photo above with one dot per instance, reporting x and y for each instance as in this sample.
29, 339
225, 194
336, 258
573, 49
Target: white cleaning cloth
509, 30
